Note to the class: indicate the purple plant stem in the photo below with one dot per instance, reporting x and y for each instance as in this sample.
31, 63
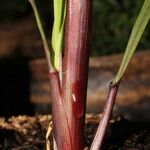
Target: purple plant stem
60, 124
104, 122
75, 68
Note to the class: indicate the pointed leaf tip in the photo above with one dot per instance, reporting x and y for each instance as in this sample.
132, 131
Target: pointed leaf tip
31, 1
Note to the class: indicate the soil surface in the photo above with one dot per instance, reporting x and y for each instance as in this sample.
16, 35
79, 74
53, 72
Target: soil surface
28, 133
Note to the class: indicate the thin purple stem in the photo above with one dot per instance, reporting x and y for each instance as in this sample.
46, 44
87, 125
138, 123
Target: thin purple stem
102, 128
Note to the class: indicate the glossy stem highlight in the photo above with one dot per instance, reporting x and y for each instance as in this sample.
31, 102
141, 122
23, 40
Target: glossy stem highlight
75, 68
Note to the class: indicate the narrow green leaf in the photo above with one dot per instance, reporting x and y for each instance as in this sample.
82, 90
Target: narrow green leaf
58, 30
134, 39
44, 40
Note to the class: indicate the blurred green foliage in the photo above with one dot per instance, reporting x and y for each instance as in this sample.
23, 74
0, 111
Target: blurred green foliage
111, 26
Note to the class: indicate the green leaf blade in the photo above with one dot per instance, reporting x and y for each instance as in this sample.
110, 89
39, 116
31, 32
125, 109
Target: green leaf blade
58, 30
43, 36
134, 39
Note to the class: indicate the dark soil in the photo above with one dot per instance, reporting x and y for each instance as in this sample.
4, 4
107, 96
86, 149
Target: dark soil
28, 133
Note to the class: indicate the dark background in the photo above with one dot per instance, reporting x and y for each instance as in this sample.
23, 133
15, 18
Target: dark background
111, 27
112, 21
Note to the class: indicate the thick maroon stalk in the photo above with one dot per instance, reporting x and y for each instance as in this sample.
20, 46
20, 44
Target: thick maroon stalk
75, 69
102, 128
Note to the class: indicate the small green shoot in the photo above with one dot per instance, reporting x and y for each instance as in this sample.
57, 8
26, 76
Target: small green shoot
134, 39
58, 30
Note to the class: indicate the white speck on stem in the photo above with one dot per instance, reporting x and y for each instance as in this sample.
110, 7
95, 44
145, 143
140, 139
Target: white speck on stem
74, 98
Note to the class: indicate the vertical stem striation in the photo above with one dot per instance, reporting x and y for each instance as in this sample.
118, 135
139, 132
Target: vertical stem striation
61, 132
75, 69
102, 128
